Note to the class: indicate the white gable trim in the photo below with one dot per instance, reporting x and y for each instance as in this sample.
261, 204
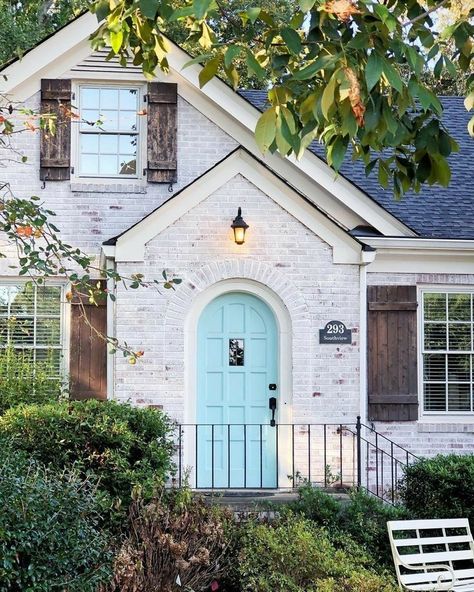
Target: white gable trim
131, 245
340, 198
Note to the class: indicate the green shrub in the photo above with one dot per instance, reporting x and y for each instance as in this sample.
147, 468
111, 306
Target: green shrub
174, 534
364, 518
50, 534
440, 487
120, 445
24, 381
295, 555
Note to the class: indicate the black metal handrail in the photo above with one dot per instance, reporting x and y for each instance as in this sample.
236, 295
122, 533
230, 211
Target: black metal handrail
258, 456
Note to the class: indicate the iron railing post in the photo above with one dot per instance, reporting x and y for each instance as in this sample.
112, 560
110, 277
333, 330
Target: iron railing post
359, 453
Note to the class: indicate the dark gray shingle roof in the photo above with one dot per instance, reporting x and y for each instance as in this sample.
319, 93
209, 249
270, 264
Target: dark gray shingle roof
435, 212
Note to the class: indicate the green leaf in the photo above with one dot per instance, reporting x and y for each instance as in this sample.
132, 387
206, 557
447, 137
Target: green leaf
265, 130
469, 101
328, 98
443, 172
200, 8
292, 40
392, 75
306, 5
337, 152
470, 127
373, 70
230, 54
254, 66
149, 8
383, 176
322, 63
253, 13
102, 10
209, 71
116, 40
197, 60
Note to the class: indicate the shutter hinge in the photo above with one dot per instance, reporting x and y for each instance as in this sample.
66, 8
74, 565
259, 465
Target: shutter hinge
144, 172
145, 98
72, 170
73, 96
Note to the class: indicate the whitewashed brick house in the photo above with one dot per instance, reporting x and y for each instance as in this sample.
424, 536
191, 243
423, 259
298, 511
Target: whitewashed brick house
340, 303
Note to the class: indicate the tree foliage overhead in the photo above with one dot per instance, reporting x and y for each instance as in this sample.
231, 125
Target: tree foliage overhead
349, 73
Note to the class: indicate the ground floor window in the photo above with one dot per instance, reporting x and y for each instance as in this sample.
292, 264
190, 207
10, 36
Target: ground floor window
31, 321
447, 352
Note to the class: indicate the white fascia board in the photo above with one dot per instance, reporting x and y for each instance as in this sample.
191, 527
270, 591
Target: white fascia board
131, 245
419, 244
335, 195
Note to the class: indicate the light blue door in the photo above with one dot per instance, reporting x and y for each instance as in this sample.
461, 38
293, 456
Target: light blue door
236, 376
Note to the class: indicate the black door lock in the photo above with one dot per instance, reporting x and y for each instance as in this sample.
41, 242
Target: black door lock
272, 405
272, 387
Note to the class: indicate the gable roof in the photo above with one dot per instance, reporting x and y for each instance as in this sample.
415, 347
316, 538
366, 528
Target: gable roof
435, 212
130, 245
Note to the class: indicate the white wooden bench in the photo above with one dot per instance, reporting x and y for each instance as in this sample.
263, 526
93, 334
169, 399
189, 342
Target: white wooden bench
433, 555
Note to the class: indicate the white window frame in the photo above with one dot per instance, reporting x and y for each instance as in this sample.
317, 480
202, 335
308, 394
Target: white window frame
65, 316
438, 416
139, 178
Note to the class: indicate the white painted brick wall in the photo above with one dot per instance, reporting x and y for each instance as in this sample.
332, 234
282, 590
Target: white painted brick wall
281, 253
430, 437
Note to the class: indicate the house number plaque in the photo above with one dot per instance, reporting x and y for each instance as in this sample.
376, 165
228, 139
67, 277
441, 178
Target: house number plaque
335, 332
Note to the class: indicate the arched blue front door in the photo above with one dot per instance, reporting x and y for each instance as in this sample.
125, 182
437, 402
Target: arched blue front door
237, 347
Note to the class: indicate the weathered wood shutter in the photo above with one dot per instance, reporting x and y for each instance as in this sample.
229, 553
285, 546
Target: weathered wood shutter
88, 351
392, 353
162, 132
55, 159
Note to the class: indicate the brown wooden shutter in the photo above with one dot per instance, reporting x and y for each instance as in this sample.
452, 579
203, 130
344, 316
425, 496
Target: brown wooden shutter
88, 351
162, 132
392, 353
55, 161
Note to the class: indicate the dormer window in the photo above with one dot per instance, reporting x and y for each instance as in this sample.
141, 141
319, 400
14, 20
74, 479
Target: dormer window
109, 131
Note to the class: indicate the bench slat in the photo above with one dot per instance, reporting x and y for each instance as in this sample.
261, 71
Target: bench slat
432, 576
439, 557
396, 525
432, 541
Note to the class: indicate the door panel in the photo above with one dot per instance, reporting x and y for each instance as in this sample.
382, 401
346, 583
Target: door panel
237, 360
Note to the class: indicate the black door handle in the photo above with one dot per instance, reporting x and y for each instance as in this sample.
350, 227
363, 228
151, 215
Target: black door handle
272, 405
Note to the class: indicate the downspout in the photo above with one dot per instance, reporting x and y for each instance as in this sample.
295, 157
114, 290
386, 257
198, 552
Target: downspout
110, 264
368, 255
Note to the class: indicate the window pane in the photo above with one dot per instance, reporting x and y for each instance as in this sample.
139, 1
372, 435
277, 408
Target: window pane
459, 307
127, 167
460, 337
22, 300
108, 165
89, 118
434, 367
129, 98
50, 357
90, 143
109, 120
109, 98
48, 331
435, 336
48, 300
435, 307
459, 397
108, 144
22, 331
4, 324
89, 164
459, 367
89, 98
435, 397
128, 144
128, 121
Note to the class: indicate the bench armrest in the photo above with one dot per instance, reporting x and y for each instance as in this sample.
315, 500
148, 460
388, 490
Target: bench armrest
440, 586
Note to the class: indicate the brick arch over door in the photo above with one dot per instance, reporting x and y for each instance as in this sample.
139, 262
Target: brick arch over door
264, 278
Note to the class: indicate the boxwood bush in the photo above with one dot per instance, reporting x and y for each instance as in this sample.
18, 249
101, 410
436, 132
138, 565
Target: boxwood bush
295, 555
440, 487
119, 445
51, 539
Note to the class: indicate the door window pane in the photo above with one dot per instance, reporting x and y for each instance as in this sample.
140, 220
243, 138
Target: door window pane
236, 352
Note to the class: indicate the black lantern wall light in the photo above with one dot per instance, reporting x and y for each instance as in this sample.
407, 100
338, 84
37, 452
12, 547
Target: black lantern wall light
239, 226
